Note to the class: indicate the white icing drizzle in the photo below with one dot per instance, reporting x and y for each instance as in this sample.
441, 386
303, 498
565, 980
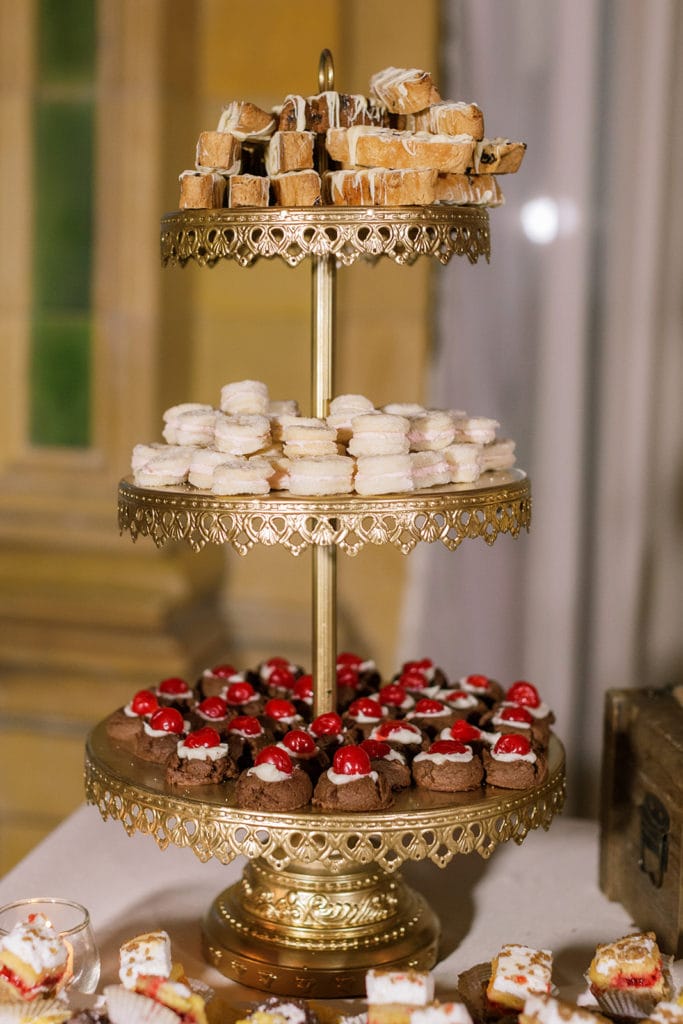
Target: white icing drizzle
340, 780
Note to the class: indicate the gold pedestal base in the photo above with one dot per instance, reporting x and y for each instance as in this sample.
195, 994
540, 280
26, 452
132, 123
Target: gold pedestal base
306, 932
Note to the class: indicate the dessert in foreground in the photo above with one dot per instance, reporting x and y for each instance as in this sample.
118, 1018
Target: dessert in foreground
34, 960
518, 971
629, 976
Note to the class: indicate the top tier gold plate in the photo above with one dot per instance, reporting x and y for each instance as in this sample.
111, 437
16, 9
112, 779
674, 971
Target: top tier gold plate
500, 502
346, 233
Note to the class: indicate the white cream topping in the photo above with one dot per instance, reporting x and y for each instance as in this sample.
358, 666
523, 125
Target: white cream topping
499, 720
542, 711
519, 970
236, 677
441, 1013
268, 772
509, 758
461, 702
340, 780
162, 732
37, 944
266, 671
408, 734
362, 719
202, 753
546, 1010
410, 987
441, 759
145, 954
439, 713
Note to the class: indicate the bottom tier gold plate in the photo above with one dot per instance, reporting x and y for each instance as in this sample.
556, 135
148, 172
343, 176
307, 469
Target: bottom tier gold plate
321, 900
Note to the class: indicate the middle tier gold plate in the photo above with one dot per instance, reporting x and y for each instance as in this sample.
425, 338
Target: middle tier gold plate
419, 825
500, 502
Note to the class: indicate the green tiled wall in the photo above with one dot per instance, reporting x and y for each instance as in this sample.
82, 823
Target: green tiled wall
63, 141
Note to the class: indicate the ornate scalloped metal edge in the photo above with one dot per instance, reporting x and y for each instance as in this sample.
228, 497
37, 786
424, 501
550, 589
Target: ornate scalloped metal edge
350, 526
347, 233
437, 835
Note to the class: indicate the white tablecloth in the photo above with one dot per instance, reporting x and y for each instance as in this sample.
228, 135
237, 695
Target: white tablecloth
543, 893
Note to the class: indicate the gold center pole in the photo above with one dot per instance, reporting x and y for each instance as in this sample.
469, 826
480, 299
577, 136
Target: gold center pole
324, 596
324, 569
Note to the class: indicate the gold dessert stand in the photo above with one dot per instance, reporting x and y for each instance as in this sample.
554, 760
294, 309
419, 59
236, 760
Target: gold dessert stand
321, 899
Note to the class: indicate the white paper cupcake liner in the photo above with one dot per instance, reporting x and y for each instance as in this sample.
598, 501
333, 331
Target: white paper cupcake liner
634, 1004
52, 1011
126, 1007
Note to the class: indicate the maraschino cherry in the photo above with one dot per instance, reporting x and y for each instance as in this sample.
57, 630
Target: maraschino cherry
303, 688
279, 708
393, 695
375, 749
239, 693
213, 707
387, 729
513, 743
516, 714
429, 707
351, 761
348, 676
328, 724
349, 660
299, 742
167, 720
224, 671
366, 707
448, 747
463, 731
523, 693
246, 725
173, 687
478, 682
282, 678
206, 737
144, 703
277, 757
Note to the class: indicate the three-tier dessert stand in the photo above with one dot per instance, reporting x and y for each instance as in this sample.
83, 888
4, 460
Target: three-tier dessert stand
320, 900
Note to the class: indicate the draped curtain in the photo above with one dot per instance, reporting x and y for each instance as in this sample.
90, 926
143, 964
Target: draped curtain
572, 339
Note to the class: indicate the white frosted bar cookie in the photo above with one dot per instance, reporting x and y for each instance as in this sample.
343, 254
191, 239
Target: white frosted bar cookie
145, 954
449, 118
244, 120
404, 90
516, 972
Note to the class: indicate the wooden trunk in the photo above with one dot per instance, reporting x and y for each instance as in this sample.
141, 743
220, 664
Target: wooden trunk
642, 810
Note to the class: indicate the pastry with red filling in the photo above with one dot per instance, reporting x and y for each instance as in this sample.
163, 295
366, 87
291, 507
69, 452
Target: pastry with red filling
351, 784
201, 759
159, 737
512, 763
517, 972
273, 783
629, 976
125, 724
388, 762
448, 766
34, 960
